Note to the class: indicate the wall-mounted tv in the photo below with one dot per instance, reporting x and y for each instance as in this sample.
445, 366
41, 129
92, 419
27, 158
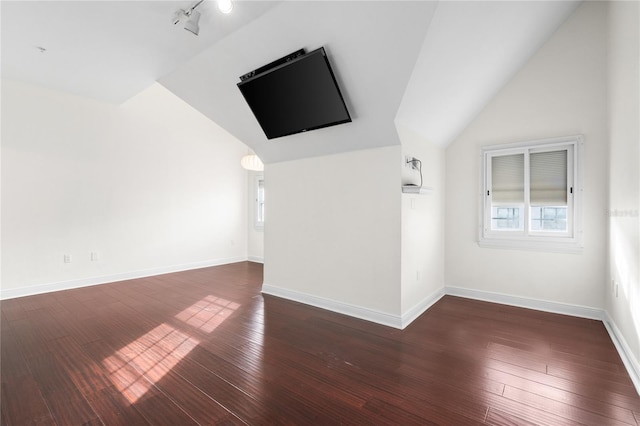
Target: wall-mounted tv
295, 94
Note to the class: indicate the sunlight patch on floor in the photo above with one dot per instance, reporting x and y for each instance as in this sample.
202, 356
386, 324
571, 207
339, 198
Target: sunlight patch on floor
208, 313
135, 368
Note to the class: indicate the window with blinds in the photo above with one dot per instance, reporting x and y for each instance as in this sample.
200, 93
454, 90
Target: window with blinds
530, 194
507, 192
549, 190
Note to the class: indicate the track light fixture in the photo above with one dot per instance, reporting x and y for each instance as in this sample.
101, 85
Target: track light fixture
192, 23
192, 17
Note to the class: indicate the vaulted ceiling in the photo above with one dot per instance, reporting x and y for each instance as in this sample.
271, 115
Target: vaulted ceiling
430, 66
107, 50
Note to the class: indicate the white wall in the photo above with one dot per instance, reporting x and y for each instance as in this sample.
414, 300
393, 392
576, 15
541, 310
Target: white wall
341, 235
560, 91
422, 260
332, 236
624, 181
150, 186
255, 236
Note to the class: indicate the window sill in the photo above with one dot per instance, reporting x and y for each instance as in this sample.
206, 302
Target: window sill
571, 247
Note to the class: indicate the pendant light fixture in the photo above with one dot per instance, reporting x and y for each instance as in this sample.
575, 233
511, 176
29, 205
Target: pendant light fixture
252, 162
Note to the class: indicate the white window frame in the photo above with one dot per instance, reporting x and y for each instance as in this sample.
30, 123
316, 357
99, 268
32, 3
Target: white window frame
258, 221
566, 242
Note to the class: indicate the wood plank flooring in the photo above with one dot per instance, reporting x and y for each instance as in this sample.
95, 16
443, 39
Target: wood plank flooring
205, 347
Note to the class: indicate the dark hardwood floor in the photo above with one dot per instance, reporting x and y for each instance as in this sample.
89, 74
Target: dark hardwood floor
205, 347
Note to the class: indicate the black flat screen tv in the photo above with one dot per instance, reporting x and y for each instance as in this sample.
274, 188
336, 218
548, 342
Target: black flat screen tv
295, 96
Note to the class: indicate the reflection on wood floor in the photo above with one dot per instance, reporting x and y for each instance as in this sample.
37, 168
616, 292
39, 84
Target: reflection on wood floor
205, 347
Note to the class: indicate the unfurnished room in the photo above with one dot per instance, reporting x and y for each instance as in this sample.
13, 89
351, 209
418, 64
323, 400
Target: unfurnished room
320, 212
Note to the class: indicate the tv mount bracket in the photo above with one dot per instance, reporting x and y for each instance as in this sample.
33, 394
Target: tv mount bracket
290, 57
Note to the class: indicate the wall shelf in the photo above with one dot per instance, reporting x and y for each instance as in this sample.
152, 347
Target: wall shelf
415, 189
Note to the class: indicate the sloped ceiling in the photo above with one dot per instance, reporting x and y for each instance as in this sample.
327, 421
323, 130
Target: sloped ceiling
107, 50
471, 50
430, 66
372, 47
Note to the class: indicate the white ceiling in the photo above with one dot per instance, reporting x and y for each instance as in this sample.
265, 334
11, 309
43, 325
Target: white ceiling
372, 47
431, 66
107, 50
471, 50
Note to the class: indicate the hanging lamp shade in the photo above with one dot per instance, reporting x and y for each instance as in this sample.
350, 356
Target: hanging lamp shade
252, 162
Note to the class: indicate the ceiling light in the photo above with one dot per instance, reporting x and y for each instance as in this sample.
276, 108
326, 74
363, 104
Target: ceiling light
192, 23
225, 6
252, 162
192, 18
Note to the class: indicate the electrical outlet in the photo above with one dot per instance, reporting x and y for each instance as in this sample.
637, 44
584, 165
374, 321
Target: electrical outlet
94, 256
66, 258
616, 289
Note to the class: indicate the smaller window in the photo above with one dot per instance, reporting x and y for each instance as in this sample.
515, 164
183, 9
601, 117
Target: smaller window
259, 204
531, 195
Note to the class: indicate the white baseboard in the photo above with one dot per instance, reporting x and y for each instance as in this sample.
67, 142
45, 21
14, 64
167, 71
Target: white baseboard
421, 307
626, 354
334, 306
257, 259
525, 302
390, 320
104, 279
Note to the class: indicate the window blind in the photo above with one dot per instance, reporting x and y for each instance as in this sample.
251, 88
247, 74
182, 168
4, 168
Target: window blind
548, 178
507, 179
